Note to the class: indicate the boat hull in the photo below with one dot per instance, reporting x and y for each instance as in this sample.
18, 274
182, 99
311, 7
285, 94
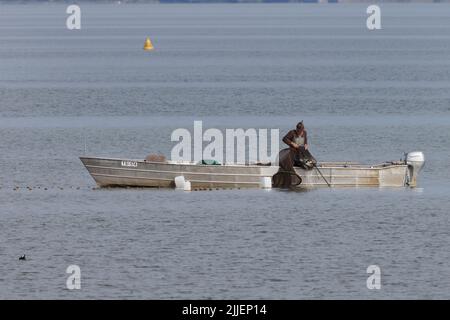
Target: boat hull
138, 173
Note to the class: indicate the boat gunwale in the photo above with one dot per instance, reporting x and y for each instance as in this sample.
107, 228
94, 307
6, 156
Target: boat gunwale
180, 164
380, 166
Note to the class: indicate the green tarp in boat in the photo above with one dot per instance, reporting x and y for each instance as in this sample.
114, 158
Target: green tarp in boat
209, 162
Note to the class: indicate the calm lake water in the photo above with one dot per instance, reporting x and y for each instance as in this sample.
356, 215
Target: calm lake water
364, 96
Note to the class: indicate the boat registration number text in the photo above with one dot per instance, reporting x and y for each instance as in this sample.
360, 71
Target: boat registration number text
129, 164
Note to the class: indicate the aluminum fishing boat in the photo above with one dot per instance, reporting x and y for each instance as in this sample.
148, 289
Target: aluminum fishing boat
108, 172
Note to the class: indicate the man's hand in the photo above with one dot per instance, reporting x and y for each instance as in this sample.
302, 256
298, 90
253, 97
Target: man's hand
294, 145
306, 147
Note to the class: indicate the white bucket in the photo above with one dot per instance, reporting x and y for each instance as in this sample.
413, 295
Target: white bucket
187, 186
266, 182
179, 182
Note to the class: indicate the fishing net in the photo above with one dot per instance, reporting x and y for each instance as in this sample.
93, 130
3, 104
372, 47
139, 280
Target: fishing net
286, 177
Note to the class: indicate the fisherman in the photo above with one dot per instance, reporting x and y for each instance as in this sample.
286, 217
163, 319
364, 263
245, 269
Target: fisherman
297, 140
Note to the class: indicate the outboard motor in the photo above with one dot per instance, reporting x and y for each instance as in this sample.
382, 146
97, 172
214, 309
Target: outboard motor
415, 161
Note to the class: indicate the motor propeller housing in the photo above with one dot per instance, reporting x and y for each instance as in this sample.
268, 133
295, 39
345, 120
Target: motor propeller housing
415, 161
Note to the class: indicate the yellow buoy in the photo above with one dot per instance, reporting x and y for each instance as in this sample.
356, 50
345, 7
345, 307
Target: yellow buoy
148, 45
